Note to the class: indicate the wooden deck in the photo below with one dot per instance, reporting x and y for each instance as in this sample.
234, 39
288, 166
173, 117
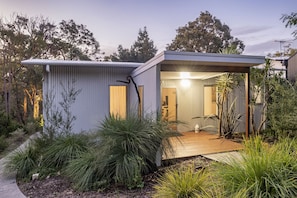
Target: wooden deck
193, 144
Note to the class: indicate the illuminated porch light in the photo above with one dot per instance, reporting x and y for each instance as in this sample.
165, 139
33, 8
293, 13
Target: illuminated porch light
185, 75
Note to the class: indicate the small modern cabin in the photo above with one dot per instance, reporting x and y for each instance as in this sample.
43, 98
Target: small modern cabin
180, 85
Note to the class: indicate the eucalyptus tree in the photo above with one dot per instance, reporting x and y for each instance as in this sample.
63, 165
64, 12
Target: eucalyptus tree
291, 21
205, 34
24, 38
75, 41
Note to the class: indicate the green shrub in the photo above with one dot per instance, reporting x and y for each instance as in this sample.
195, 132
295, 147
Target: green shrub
23, 161
132, 144
64, 148
32, 126
85, 171
265, 171
126, 150
182, 182
6, 125
3, 144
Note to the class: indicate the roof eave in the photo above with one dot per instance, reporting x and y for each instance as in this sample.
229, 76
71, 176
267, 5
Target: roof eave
212, 59
41, 62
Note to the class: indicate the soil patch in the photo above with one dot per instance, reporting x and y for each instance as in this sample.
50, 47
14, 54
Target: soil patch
59, 186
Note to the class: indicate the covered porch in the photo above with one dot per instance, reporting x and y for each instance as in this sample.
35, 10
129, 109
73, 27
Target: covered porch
161, 78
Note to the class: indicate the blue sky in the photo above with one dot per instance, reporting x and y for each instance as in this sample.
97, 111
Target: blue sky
256, 22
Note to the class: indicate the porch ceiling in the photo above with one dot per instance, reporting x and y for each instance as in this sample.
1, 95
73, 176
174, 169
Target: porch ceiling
192, 75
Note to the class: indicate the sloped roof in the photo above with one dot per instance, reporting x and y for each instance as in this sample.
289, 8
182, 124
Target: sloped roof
207, 62
31, 62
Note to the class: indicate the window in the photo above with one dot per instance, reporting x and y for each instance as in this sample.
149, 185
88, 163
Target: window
118, 101
210, 100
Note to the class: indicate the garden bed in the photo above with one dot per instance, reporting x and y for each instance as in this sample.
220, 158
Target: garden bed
58, 186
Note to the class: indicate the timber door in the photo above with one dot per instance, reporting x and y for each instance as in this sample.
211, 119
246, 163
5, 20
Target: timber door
169, 104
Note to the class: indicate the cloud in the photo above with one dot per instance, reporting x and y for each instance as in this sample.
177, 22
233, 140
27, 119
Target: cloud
269, 46
243, 31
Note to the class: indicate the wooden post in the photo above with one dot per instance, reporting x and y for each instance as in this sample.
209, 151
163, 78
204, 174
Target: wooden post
247, 104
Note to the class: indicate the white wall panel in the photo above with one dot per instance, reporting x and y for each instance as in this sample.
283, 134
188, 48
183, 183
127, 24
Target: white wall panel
189, 102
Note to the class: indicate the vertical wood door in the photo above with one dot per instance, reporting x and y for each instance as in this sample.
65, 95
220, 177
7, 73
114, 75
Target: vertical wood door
169, 104
210, 103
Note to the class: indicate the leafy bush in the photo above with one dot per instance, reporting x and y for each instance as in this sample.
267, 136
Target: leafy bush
182, 182
32, 126
3, 144
63, 149
265, 171
6, 125
281, 107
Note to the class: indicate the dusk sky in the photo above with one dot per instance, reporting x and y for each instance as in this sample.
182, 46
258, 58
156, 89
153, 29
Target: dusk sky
256, 22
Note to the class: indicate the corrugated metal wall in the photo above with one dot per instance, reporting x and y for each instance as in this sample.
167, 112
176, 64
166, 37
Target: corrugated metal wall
150, 80
92, 104
292, 68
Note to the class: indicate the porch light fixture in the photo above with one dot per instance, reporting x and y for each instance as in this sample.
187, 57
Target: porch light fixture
185, 75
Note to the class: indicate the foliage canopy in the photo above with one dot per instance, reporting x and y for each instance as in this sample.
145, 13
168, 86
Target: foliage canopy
205, 34
141, 51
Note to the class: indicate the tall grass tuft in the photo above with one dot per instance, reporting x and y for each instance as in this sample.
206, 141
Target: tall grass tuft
132, 147
23, 161
182, 182
86, 171
63, 149
265, 171
126, 150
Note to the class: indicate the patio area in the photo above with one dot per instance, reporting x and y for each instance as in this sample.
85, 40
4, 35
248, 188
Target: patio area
193, 144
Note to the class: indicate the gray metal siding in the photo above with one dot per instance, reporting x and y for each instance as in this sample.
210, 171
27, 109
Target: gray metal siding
92, 104
150, 80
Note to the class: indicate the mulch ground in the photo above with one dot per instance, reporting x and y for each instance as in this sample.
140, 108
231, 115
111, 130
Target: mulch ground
58, 186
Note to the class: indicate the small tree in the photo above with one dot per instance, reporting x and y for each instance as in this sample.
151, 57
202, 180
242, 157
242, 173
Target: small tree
59, 121
225, 83
259, 95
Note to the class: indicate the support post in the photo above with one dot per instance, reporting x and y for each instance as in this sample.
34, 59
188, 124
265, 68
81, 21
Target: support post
247, 104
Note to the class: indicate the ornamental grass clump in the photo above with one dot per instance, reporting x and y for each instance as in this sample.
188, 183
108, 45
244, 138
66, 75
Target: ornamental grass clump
264, 171
125, 151
23, 161
182, 182
86, 171
63, 149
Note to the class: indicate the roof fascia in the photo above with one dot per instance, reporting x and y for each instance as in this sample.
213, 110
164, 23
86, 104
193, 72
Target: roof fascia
32, 62
213, 58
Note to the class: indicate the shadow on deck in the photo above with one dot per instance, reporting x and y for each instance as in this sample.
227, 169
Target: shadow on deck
193, 144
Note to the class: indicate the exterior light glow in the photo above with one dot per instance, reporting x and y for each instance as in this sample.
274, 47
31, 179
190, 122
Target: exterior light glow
185, 82
185, 75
